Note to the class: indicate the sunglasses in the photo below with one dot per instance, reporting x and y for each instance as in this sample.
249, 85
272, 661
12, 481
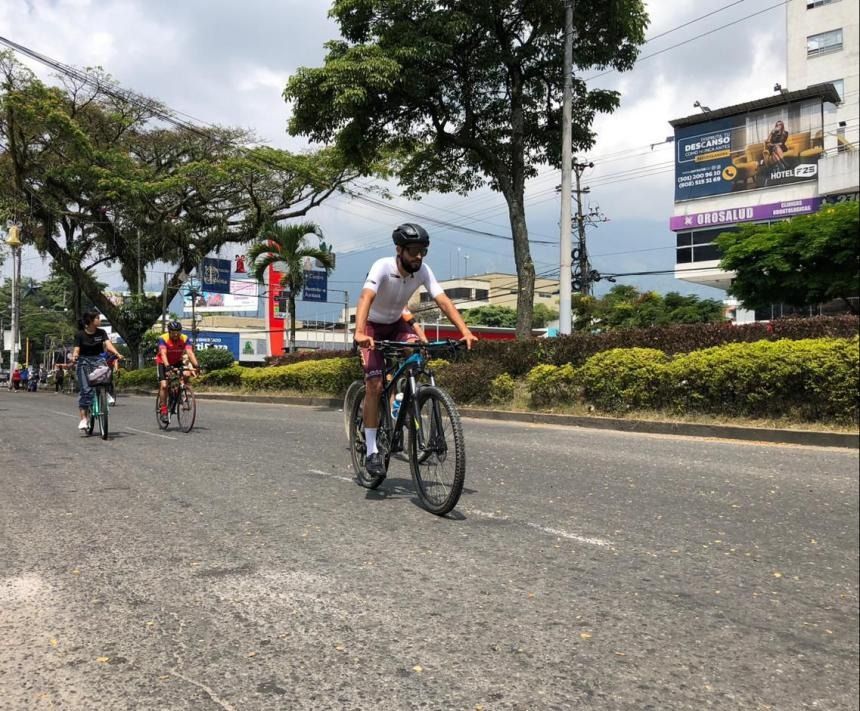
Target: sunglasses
416, 251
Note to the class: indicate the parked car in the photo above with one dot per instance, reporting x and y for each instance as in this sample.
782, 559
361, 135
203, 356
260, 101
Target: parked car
4, 375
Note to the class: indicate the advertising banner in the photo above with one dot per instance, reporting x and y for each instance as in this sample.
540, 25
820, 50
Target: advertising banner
754, 213
215, 275
214, 339
775, 146
316, 286
241, 298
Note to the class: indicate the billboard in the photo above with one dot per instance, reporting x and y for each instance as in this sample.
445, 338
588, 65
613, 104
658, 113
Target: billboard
215, 339
215, 275
776, 146
241, 298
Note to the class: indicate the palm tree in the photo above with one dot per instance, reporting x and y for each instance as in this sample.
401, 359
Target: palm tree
288, 245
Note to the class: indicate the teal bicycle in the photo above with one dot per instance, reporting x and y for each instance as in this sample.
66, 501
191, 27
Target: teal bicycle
434, 447
99, 411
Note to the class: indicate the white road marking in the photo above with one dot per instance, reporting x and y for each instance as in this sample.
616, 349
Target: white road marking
64, 414
331, 476
151, 434
557, 532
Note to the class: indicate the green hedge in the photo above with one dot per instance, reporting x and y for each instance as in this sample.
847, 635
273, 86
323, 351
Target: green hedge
809, 379
518, 357
214, 359
140, 378
624, 379
331, 375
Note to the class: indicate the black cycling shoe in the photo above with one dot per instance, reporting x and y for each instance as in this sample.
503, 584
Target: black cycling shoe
375, 465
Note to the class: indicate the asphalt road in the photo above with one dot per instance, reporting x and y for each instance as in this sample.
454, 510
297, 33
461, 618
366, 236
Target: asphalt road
239, 567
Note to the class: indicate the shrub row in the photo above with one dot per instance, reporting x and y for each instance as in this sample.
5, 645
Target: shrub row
304, 356
518, 358
812, 380
331, 375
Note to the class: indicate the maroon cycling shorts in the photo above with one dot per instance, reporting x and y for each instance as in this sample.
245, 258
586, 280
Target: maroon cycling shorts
372, 360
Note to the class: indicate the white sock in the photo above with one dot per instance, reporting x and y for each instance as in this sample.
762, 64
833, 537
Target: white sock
370, 438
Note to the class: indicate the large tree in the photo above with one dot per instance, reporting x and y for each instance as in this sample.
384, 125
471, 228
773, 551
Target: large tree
804, 261
99, 177
464, 93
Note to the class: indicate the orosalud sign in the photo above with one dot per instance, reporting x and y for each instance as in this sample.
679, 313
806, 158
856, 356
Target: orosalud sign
753, 213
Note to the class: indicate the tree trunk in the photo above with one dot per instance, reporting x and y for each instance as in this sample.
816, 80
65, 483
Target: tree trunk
514, 192
524, 265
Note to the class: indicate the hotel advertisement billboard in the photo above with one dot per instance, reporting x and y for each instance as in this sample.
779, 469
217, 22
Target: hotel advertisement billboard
776, 146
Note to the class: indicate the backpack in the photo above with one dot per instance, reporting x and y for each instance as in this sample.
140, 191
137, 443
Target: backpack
100, 374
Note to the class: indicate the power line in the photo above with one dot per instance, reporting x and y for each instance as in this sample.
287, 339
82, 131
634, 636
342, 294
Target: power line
693, 39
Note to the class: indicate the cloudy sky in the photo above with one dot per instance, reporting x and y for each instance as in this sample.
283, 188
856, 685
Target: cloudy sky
227, 62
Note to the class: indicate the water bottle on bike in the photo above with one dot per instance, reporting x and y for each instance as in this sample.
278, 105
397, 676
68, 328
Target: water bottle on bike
395, 407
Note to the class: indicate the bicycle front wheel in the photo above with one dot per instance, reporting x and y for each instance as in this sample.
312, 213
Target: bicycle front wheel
437, 451
102, 417
348, 401
186, 409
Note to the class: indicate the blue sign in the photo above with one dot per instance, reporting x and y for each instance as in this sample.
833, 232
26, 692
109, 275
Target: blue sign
213, 339
316, 286
215, 275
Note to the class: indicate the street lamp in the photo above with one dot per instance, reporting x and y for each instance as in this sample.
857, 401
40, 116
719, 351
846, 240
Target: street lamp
14, 242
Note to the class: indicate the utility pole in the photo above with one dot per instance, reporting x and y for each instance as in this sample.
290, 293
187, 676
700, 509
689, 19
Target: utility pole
14, 242
565, 297
581, 275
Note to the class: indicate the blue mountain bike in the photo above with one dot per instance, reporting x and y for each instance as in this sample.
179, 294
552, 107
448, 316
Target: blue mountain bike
435, 447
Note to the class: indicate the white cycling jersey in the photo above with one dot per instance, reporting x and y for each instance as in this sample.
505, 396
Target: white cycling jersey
393, 291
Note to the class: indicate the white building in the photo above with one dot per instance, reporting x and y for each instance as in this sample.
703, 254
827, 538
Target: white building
823, 46
727, 171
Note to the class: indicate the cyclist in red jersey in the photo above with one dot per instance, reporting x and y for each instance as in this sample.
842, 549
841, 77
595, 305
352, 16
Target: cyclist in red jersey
173, 346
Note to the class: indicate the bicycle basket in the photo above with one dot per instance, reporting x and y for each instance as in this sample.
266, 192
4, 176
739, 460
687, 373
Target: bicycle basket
100, 375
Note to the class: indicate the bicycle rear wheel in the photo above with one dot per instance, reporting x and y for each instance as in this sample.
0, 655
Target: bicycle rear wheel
186, 409
102, 417
348, 400
358, 445
437, 451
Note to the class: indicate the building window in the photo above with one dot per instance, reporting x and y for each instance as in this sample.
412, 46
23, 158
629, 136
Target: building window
424, 297
839, 85
811, 4
824, 43
459, 292
482, 295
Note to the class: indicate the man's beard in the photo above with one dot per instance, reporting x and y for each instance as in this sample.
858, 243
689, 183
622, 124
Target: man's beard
407, 266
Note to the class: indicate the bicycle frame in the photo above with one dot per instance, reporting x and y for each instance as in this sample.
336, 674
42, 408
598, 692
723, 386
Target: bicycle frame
411, 367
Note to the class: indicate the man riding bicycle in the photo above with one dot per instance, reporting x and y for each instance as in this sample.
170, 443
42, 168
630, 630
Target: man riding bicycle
389, 285
173, 346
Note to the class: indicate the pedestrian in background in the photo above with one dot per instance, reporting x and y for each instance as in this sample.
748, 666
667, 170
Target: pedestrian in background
59, 377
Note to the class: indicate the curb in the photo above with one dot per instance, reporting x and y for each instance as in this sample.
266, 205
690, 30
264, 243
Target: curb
747, 434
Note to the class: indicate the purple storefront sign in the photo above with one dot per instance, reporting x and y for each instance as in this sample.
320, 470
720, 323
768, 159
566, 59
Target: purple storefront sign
771, 211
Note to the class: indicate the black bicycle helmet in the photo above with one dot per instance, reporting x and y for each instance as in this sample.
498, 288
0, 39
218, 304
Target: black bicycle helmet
174, 326
410, 233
